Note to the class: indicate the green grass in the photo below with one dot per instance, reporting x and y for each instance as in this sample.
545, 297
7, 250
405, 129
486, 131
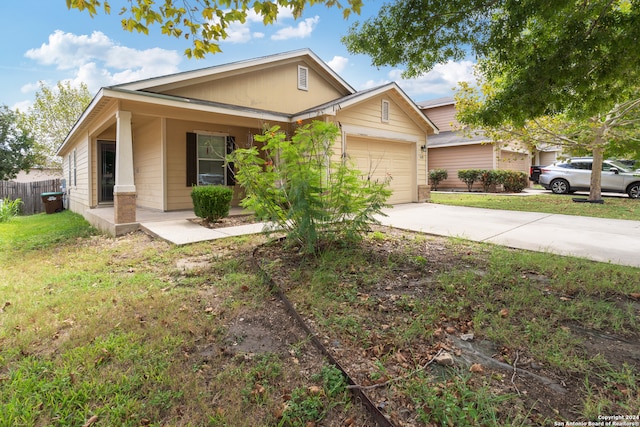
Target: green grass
24, 233
613, 207
114, 328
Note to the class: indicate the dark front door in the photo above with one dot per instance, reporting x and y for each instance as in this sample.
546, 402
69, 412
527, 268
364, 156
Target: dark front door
106, 171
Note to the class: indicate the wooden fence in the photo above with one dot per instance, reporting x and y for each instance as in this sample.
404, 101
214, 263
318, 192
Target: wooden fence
29, 193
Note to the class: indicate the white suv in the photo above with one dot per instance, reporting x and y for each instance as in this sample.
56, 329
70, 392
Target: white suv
575, 175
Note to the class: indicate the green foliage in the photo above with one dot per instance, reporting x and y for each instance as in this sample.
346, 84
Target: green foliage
469, 176
488, 177
203, 22
9, 208
16, 145
211, 202
312, 405
301, 190
582, 53
51, 117
436, 176
512, 181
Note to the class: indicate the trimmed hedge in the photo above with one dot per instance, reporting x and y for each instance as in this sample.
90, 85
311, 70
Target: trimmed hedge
211, 202
436, 176
469, 176
512, 181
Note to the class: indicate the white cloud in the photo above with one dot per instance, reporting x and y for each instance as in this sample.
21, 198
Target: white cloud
338, 63
98, 61
302, 30
440, 81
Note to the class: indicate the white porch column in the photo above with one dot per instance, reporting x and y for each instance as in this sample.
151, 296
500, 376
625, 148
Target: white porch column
124, 190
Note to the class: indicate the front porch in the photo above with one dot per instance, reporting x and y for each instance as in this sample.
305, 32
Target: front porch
102, 218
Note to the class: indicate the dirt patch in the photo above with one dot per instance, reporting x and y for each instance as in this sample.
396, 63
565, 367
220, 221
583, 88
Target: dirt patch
230, 221
364, 336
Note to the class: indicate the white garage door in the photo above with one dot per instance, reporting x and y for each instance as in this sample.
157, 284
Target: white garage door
379, 159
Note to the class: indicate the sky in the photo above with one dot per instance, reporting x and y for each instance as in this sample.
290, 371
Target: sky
43, 41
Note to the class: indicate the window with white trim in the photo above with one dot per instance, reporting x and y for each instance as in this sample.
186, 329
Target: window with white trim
212, 152
303, 78
384, 115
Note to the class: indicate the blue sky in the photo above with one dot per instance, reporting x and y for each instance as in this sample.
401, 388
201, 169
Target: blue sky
41, 40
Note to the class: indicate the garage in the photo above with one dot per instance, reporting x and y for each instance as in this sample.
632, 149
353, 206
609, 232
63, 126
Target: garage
381, 158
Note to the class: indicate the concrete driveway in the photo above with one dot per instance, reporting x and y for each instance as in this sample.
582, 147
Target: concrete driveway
606, 240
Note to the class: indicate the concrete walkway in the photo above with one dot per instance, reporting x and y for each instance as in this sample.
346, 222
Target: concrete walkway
606, 240
598, 239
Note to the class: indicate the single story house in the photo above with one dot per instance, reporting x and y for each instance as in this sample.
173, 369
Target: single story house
143, 145
453, 151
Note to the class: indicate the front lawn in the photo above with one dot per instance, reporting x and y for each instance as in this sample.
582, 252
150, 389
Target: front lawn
132, 331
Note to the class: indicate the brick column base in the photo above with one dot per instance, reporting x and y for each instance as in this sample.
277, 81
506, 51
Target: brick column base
424, 193
124, 207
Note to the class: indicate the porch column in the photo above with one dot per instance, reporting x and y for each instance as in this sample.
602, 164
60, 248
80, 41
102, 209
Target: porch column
124, 190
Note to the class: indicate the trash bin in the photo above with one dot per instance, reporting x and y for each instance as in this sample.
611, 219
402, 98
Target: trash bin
52, 202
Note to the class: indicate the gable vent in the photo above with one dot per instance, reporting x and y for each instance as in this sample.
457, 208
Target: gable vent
385, 111
303, 78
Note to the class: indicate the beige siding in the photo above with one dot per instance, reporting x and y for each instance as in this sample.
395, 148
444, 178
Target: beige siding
178, 194
476, 156
147, 164
256, 89
443, 117
78, 192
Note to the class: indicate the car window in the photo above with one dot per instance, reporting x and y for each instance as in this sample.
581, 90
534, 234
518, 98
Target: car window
582, 165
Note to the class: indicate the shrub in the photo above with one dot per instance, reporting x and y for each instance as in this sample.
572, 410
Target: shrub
488, 178
211, 202
436, 176
9, 208
513, 181
299, 189
469, 176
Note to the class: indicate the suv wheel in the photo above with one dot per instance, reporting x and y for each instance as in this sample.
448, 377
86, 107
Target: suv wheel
634, 190
560, 186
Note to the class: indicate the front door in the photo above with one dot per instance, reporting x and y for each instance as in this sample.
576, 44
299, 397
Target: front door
106, 171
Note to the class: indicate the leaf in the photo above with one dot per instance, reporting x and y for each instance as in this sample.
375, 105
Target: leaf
91, 421
504, 312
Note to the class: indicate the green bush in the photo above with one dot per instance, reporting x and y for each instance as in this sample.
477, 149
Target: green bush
469, 176
211, 202
513, 181
297, 187
9, 208
487, 178
436, 176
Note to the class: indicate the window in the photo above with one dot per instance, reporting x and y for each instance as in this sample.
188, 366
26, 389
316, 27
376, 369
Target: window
75, 169
303, 78
385, 111
207, 159
70, 169
212, 151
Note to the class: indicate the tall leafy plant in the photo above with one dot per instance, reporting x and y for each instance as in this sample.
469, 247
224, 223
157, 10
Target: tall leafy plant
301, 188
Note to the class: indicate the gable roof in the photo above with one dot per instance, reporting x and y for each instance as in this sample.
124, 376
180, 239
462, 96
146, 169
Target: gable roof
332, 107
185, 78
438, 102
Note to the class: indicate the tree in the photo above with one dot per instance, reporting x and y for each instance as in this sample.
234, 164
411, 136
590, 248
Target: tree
204, 22
300, 190
52, 116
579, 59
614, 133
16, 145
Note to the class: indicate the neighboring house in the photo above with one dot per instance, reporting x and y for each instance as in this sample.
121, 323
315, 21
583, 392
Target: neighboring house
38, 174
453, 151
145, 144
